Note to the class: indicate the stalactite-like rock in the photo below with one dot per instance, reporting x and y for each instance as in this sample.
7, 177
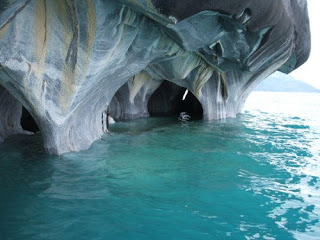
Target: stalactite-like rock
131, 100
65, 61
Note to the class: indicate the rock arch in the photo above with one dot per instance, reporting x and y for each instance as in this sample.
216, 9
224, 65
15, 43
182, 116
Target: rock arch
65, 60
14, 117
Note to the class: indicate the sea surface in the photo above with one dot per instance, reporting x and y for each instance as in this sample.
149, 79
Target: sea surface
254, 177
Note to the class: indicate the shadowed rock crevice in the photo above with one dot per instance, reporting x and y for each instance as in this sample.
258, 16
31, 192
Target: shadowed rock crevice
10, 115
14, 118
27, 121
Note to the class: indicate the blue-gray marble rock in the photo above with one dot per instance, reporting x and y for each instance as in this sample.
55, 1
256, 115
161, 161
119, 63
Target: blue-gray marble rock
68, 62
10, 115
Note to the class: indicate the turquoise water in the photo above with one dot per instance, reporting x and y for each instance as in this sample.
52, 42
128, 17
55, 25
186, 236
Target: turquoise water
254, 177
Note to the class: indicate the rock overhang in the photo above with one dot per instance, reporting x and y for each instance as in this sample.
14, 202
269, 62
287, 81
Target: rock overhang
199, 25
65, 60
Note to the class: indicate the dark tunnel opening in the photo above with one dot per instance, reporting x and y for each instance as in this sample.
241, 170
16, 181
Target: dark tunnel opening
27, 121
167, 101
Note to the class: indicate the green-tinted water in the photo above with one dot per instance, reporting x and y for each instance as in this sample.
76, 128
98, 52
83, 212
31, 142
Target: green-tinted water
255, 177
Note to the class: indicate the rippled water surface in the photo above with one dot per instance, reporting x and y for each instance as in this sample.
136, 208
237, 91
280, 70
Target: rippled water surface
254, 177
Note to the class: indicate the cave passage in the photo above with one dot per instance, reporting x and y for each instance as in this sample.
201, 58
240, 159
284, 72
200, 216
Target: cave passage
27, 121
167, 101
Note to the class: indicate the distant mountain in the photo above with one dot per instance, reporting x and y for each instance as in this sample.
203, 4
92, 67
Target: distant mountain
280, 82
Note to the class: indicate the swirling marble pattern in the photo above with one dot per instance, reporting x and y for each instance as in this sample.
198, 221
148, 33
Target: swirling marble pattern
65, 60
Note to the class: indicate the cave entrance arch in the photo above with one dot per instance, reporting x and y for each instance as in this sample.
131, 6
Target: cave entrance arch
14, 118
167, 101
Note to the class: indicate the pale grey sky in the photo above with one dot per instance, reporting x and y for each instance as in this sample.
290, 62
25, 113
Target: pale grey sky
309, 71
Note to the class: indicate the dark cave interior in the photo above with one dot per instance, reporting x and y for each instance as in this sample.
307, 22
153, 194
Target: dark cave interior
27, 121
167, 101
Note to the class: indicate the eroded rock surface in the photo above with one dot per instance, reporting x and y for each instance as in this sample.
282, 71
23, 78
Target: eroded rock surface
68, 61
10, 115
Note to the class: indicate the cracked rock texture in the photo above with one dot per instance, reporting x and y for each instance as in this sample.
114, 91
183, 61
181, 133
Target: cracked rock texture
69, 61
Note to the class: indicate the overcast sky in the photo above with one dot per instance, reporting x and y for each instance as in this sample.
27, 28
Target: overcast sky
310, 71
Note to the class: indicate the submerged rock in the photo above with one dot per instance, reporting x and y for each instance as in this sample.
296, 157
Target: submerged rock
68, 61
184, 117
